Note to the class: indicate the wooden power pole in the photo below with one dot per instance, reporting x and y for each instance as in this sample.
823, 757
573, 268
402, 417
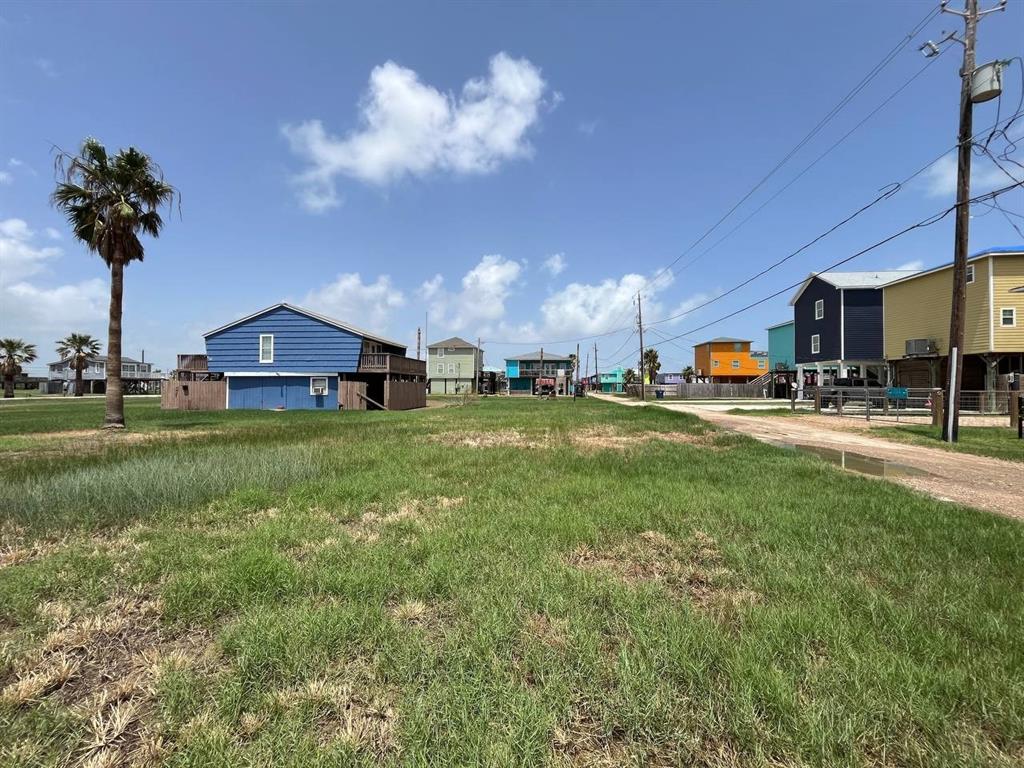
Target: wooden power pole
418, 343
640, 324
597, 372
970, 15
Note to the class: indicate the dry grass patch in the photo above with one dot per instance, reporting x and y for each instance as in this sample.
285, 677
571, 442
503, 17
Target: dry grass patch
417, 613
514, 438
692, 570
347, 706
368, 526
79, 442
551, 631
607, 438
104, 667
584, 741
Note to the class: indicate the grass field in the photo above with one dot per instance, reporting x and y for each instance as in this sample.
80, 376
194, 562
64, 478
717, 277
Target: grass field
509, 582
997, 442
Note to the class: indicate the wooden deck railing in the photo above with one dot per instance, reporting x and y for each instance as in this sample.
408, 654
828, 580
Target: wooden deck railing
383, 362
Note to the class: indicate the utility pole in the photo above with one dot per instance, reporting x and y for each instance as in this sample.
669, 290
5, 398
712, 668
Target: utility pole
597, 372
970, 15
418, 343
478, 364
640, 323
576, 387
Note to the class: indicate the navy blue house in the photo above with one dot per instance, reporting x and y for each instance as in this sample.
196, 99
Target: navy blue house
838, 325
285, 357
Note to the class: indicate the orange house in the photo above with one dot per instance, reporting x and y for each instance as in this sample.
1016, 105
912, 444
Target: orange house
725, 360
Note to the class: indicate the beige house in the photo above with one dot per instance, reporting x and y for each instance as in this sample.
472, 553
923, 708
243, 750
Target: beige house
916, 314
453, 366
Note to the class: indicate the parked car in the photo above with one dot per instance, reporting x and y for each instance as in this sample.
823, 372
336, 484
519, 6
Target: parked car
829, 395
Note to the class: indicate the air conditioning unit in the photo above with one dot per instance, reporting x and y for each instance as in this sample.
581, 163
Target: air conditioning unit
921, 347
319, 390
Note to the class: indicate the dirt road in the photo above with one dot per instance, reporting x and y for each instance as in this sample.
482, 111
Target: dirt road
976, 481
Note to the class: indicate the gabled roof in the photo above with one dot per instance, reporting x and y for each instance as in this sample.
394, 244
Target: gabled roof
322, 318
1017, 250
99, 359
724, 340
779, 325
536, 356
454, 341
874, 278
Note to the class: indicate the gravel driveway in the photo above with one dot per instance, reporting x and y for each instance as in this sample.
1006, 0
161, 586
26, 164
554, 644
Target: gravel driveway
975, 481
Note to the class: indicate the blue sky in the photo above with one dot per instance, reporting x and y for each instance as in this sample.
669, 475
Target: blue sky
516, 170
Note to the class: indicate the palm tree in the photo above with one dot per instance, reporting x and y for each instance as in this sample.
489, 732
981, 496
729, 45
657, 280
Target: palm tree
109, 201
77, 349
13, 354
628, 377
688, 373
651, 364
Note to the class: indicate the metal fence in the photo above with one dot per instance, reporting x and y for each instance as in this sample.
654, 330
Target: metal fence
904, 403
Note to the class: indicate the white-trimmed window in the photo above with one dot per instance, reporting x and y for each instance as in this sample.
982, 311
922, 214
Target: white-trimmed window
318, 385
1008, 317
815, 344
970, 274
819, 309
440, 369
714, 363
761, 363
440, 351
451, 368
266, 347
735, 363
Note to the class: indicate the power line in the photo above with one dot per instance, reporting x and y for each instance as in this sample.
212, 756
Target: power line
872, 73
918, 225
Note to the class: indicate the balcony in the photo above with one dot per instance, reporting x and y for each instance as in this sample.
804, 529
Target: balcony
383, 362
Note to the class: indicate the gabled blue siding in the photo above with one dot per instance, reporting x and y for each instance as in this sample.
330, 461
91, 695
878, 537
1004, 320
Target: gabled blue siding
301, 343
862, 318
289, 392
828, 328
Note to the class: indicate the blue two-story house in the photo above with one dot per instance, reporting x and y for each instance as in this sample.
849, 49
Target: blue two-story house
285, 357
837, 319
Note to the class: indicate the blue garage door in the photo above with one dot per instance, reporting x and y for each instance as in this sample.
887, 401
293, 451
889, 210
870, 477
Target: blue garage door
289, 392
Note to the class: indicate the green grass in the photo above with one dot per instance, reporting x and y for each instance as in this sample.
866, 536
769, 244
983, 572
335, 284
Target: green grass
368, 589
997, 442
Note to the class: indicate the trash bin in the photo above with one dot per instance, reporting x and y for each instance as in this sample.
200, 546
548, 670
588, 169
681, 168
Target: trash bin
659, 394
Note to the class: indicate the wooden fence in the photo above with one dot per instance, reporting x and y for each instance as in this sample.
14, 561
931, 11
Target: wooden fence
351, 395
194, 395
403, 395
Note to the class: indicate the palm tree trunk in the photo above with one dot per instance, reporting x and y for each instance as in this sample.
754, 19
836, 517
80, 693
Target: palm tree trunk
78, 381
8, 386
115, 398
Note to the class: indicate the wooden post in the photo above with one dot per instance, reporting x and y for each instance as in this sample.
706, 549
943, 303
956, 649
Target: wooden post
1015, 414
817, 399
792, 396
839, 403
937, 407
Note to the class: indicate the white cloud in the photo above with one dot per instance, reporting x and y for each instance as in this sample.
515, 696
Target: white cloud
19, 257
29, 309
940, 179
349, 299
15, 162
555, 264
587, 127
480, 303
52, 233
5, 177
411, 128
915, 266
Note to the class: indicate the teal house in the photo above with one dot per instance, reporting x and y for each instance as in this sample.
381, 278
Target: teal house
613, 381
782, 346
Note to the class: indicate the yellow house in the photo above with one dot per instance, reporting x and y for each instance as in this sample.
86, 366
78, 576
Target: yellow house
916, 312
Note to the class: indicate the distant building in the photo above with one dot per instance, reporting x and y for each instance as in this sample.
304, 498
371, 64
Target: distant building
669, 379
287, 357
135, 374
611, 381
725, 360
916, 322
838, 325
782, 346
525, 372
453, 366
